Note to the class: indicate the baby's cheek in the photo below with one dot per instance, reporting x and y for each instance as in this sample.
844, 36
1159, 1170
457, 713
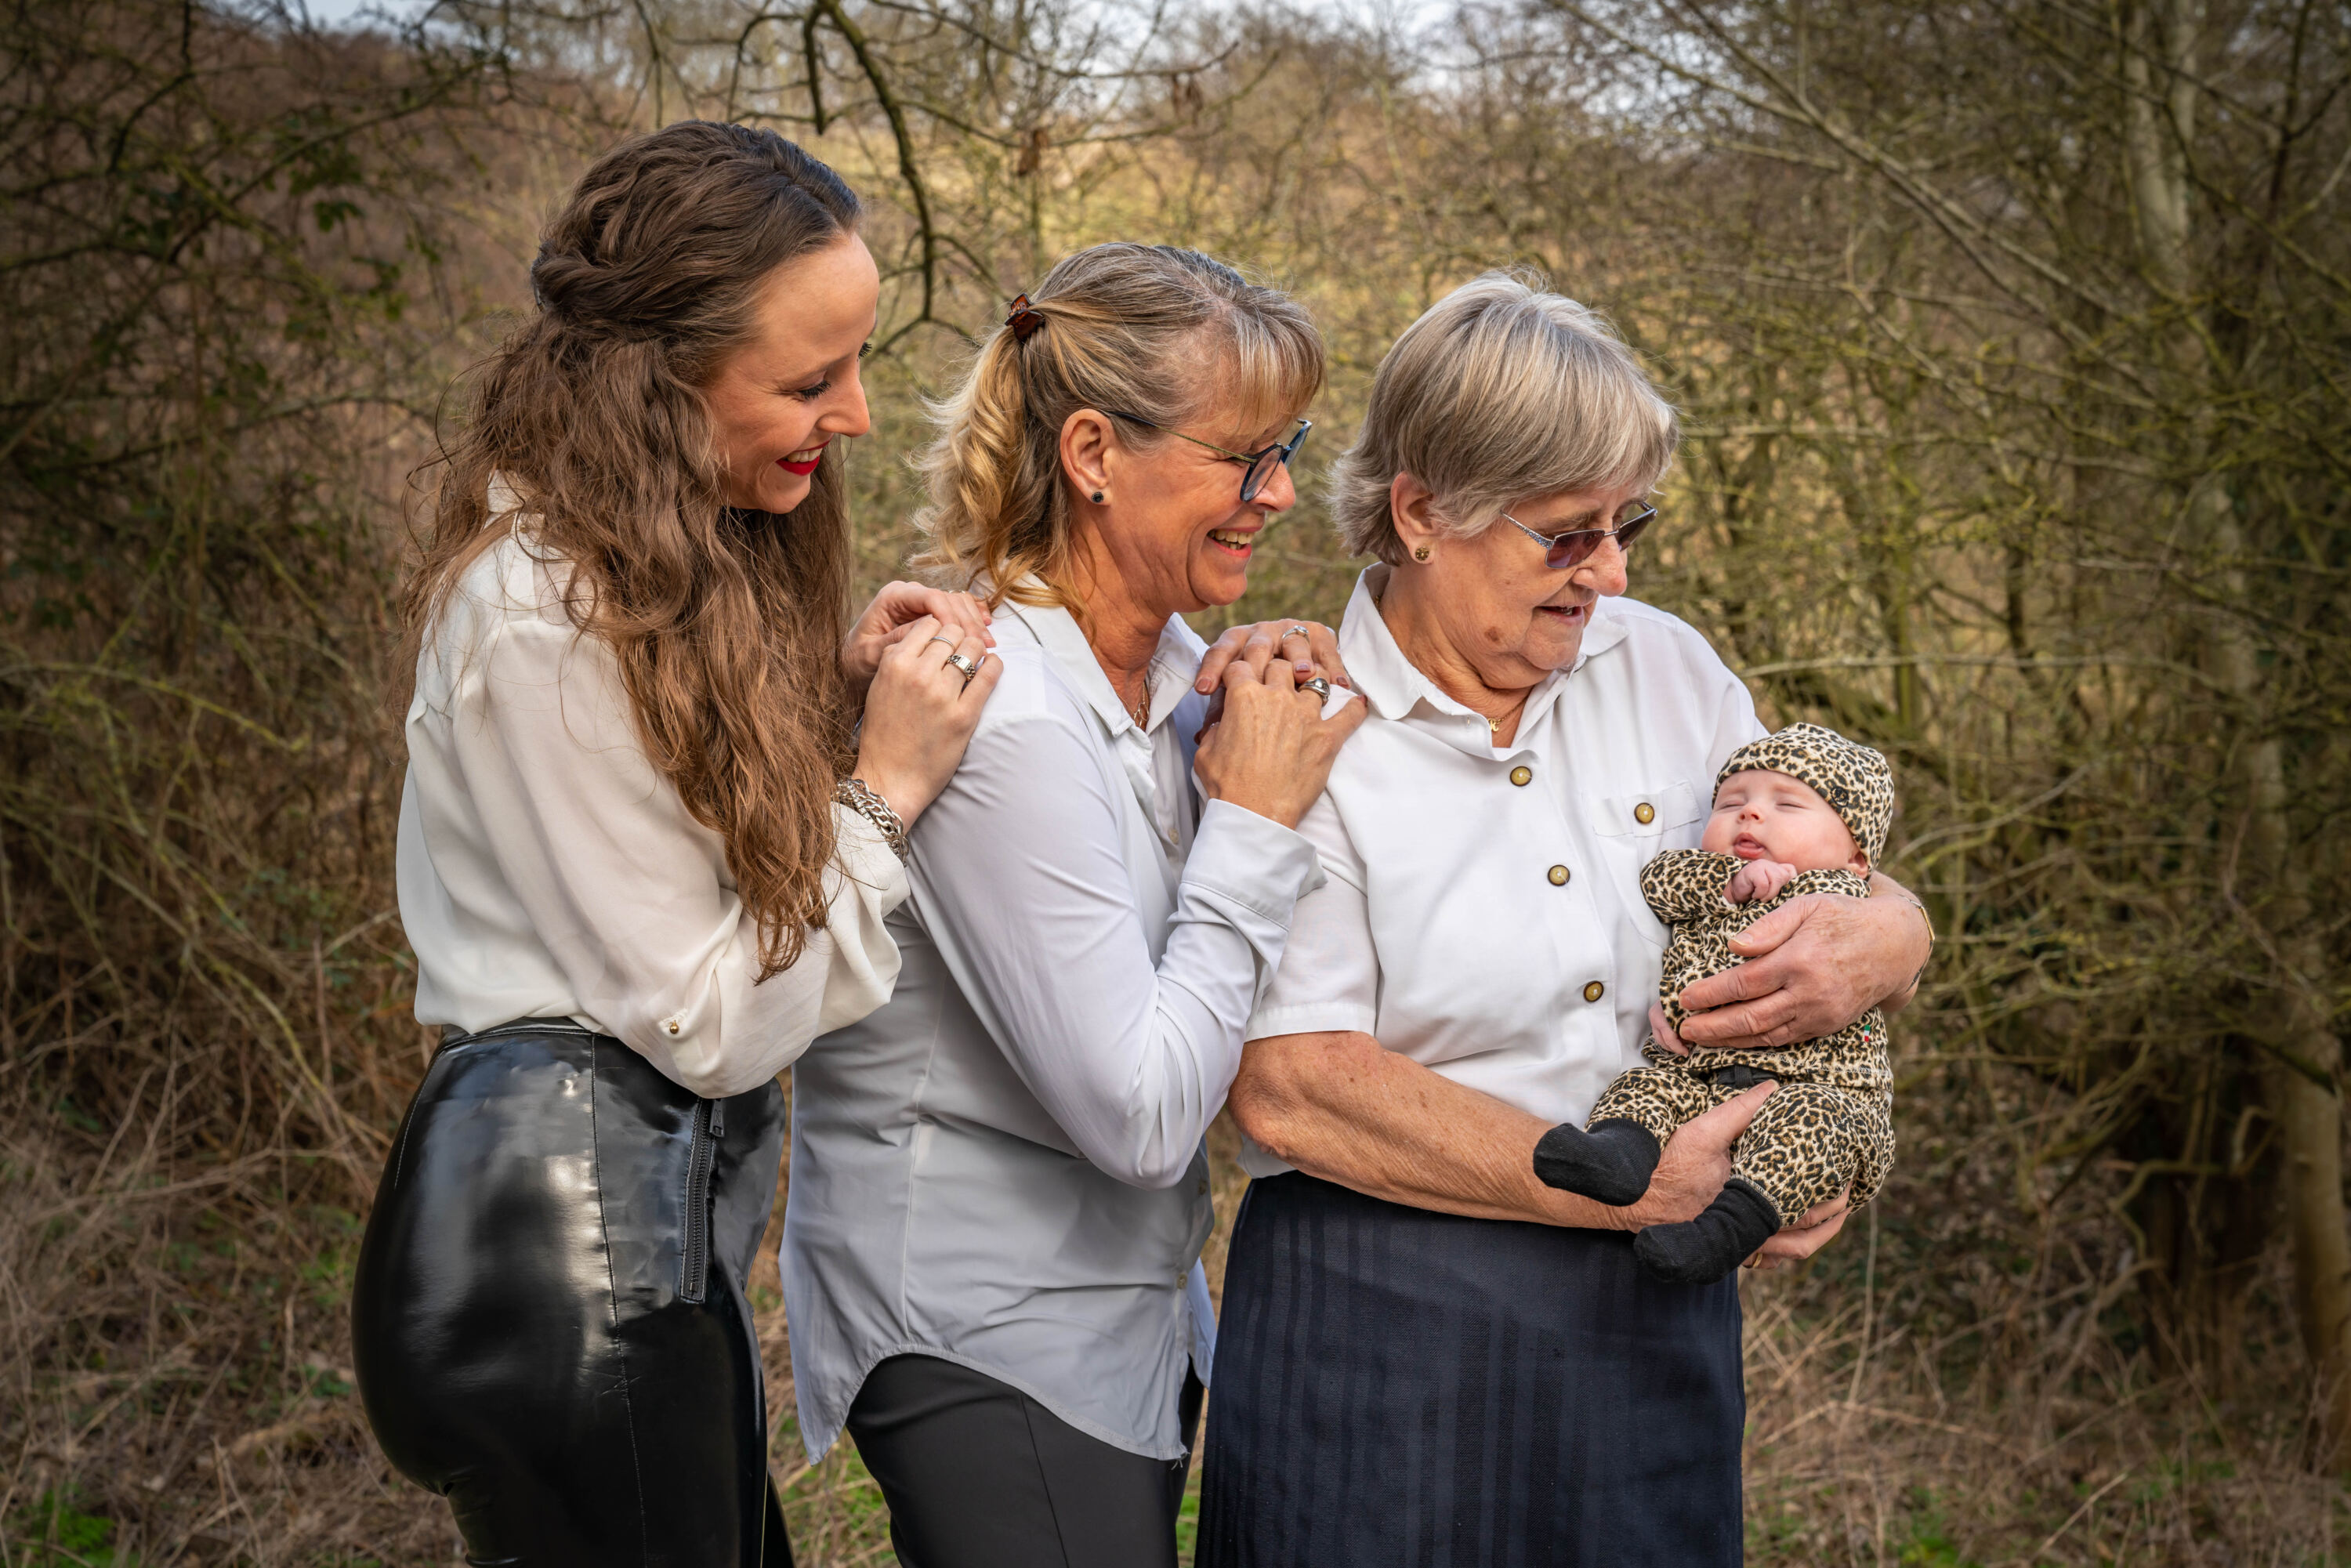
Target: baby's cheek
1720, 828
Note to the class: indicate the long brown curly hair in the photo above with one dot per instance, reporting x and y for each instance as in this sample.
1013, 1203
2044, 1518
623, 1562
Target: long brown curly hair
726, 623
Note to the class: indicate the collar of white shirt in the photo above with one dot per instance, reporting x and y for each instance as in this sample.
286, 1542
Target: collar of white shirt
1173, 663
1394, 687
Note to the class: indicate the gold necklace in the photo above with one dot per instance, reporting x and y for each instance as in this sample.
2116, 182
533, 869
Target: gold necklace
1494, 725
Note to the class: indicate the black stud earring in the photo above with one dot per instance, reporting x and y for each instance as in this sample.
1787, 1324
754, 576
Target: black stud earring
1097, 498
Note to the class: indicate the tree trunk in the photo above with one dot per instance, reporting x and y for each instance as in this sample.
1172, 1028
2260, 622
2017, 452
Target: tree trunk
2270, 876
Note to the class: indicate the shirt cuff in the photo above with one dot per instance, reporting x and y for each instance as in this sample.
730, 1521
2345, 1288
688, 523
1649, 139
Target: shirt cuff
867, 859
1311, 1017
1252, 861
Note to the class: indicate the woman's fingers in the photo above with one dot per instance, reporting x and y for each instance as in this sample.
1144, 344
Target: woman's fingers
901, 603
930, 647
1788, 990
1245, 670
912, 644
1820, 1214
961, 610
1813, 966
1800, 1241
1220, 653
976, 689
1345, 722
1694, 1163
1769, 1021
1661, 1029
893, 615
1721, 1126
1309, 646
1247, 648
1323, 653
1269, 752
925, 701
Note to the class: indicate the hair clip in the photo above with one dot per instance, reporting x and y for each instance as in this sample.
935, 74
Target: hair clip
1024, 320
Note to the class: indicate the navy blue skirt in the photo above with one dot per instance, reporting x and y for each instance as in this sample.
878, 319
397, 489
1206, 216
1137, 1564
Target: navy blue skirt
1395, 1386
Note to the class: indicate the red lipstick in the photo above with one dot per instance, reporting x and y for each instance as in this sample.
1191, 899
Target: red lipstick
803, 469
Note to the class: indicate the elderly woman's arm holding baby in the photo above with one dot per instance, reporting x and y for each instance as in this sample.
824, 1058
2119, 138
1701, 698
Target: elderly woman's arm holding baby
1340, 1106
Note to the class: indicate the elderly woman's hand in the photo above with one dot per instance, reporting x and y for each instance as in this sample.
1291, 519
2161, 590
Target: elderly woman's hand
1694, 1163
1807, 1235
1813, 965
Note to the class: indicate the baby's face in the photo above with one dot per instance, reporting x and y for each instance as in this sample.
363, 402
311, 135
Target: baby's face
1762, 816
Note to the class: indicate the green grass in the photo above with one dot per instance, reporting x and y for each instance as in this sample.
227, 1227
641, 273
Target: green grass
53, 1532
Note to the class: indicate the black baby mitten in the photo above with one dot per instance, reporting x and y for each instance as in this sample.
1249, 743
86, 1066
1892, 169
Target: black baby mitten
1703, 1250
1611, 1163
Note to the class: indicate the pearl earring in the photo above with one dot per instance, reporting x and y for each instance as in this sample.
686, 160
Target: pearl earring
1420, 554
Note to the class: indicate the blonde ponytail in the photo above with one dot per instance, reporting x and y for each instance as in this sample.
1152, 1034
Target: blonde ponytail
1142, 329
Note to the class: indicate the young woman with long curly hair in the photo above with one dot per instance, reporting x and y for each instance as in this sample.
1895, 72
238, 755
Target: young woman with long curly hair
657, 796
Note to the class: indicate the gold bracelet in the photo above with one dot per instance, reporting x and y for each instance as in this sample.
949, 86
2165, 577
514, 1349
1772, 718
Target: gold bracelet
1915, 901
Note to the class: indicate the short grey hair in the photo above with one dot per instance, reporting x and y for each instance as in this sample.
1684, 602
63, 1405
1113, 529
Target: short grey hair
1500, 391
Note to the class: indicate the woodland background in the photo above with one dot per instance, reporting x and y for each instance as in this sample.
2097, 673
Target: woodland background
2015, 341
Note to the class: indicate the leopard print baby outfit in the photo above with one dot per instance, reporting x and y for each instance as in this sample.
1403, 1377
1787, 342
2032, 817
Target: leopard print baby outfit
1831, 1119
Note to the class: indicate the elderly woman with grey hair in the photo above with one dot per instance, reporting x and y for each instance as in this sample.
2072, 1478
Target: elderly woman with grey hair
1427, 1355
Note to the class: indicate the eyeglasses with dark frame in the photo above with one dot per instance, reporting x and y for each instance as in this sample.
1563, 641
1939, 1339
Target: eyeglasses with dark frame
1261, 463
1574, 546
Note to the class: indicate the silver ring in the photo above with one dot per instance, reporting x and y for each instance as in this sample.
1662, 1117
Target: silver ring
948, 641
1318, 686
1298, 631
968, 667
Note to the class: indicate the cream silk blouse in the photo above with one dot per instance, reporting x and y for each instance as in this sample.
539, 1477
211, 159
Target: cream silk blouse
548, 870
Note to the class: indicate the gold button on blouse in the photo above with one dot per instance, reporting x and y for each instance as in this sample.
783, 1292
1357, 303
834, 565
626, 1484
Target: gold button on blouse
1522, 775
1558, 875
1645, 813
1594, 991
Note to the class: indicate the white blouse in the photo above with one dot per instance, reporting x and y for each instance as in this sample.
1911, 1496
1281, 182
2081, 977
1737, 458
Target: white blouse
548, 870
1482, 911
1003, 1167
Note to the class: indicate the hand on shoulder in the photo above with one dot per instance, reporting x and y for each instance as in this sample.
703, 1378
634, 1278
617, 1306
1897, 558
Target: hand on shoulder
891, 615
1268, 749
930, 685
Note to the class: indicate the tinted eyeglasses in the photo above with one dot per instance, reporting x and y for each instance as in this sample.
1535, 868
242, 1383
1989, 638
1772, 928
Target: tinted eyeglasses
1574, 546
1259, 463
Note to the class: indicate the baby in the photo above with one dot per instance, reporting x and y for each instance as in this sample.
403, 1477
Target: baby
1804, 810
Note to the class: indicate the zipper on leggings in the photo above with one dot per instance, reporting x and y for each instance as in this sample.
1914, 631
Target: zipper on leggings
693, 1257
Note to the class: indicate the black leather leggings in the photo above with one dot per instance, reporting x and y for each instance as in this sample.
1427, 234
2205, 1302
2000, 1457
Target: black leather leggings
547, 1318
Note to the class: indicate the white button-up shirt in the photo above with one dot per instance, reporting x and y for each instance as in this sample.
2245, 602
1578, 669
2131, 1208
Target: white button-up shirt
548, 870
1482, 912
1003, 1167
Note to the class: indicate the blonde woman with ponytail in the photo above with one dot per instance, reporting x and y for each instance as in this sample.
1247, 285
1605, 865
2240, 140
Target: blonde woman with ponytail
657, 793
998, 1195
